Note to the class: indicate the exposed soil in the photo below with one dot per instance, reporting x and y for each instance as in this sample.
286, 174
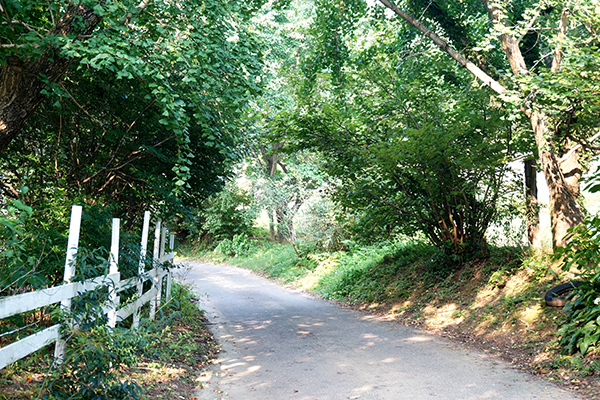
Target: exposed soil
177, 376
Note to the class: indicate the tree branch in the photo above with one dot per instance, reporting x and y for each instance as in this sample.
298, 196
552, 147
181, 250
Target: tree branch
10, 188
442, 44
510, 44
579, 145
562, 31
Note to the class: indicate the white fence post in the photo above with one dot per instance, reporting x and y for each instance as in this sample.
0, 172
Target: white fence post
29, 301
171, 249
161, 253
72, 247
113, 299
155, 280
141, 268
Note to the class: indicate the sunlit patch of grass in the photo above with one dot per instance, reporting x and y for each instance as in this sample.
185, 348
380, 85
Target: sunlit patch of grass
327, 265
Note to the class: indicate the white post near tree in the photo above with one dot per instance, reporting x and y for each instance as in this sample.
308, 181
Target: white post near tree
154, 303
113, 269
169, 278
72, 247
142, 266
161, 253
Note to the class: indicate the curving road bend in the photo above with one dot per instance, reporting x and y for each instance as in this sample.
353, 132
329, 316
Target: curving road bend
280, 344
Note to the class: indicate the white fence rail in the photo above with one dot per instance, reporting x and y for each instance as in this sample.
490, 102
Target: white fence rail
25, 302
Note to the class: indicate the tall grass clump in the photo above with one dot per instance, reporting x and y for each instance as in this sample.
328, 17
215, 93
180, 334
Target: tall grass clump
365, 274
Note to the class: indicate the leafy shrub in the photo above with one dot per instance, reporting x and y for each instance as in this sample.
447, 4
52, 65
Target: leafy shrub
239, 245
442, 264
365, 274
94, 355
228, 213
322, 227
581, 328
15, 264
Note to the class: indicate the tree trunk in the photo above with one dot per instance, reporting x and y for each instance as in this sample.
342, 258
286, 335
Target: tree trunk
565, 210
281, 224
269, 162
272, 232
22, 80
532, 204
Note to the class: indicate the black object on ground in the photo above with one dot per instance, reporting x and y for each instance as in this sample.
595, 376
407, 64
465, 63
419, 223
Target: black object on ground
556, 297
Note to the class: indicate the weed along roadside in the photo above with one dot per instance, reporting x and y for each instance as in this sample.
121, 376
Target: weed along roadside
164, 359
493, 304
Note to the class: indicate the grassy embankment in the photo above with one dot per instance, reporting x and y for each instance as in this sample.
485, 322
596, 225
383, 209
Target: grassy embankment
494, 303
168, 366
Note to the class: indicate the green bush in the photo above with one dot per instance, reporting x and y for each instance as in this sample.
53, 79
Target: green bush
228, 213
580, 330
238, 246
363, 274
15, 263
323, 227
94, 354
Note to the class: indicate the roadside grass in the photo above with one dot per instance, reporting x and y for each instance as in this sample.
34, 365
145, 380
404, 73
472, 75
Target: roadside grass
493, 303
263, 257
177, 348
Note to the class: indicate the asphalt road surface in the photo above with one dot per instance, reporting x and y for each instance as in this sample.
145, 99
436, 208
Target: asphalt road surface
280, 344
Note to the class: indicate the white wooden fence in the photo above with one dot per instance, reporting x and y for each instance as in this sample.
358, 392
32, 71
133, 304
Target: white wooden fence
25, 302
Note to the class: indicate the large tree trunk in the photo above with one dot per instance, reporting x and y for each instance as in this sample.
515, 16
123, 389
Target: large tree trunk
272, 223
564, 206
21, 81
270, 162
565, 209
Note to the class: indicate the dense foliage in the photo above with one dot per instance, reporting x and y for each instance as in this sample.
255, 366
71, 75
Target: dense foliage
415, 147
147, 111
580, 330
144, 116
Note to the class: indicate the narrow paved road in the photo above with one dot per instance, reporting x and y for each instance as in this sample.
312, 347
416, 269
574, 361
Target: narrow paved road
281, 344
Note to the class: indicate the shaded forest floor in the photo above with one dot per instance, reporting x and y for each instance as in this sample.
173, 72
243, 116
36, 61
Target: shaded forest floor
494, 304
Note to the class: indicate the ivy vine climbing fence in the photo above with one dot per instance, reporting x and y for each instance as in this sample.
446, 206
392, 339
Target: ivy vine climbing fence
158, 277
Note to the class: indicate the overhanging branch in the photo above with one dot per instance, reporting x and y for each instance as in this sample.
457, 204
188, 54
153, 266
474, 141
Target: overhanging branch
445, 46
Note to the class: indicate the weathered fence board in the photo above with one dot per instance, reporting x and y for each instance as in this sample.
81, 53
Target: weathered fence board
24, 302
24, 347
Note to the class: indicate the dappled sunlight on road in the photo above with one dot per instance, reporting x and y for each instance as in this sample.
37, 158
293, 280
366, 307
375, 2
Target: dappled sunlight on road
277, 344
417, 339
